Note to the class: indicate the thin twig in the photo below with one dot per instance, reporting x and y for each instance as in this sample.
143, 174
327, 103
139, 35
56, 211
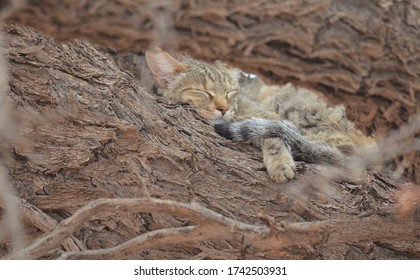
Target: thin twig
12, 220
213, 226
37, 218
388, 148
98, 207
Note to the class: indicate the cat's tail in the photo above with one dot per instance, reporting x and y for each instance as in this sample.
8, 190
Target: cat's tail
302, 148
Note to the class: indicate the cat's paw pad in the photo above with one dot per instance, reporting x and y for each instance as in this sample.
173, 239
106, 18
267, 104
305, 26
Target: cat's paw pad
281, 173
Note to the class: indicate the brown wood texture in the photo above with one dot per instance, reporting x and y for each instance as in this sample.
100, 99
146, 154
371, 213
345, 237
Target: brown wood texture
87, 129
364, 54
85, 124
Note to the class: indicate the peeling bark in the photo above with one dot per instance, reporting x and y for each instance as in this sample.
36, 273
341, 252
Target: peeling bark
89, 130
364, 54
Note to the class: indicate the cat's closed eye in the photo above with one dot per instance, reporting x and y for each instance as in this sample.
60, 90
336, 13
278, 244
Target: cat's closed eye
208, 94
231, 93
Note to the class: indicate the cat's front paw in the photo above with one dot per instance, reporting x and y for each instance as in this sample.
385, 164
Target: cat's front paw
281, 172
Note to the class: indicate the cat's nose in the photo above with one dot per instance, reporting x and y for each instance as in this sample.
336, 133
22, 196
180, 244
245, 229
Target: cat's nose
223, 110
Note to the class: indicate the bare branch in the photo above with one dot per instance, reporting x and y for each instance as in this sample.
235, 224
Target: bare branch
398, 142
37, 218
101, 121
213, 226
12, 223
98, 207
12, 220
149, 240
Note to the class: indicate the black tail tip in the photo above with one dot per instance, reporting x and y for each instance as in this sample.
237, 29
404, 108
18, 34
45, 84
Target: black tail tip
223, 130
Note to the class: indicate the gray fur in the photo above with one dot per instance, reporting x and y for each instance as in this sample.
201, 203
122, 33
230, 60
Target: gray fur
256, 129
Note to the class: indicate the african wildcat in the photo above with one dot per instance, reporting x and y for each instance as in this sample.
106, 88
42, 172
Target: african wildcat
207, 87
287, 122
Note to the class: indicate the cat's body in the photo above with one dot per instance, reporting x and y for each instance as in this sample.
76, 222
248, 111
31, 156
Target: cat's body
286, 122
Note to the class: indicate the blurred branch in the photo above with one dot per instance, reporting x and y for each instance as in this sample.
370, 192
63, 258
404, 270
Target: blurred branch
37, 218
11, 223
213, 226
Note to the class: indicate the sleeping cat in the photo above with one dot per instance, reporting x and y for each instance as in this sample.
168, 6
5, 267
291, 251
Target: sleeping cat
209, 87
286, 122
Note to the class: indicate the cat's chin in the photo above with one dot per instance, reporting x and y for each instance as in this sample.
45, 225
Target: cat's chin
216, 115
228, 116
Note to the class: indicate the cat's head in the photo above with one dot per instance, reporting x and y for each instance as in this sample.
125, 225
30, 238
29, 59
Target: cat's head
208, 87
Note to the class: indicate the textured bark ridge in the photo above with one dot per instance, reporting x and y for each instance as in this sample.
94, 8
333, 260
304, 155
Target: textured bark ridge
88, 126
86, 129
363, 54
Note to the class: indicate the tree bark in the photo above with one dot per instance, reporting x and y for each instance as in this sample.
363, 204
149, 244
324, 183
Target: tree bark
88, 126
86, 129
363, 54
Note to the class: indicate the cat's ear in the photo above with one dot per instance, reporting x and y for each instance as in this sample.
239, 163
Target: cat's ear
163, 66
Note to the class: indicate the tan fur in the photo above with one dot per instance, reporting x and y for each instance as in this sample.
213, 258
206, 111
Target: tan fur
207, 87
211, 88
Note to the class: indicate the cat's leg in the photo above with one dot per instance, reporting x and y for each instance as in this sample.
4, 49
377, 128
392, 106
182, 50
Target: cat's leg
278, 160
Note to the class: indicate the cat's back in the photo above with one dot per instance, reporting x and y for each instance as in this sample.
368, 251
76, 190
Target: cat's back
313, 116
299, 105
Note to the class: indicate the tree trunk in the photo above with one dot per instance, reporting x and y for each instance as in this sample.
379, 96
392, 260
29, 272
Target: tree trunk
86, 128
363, 54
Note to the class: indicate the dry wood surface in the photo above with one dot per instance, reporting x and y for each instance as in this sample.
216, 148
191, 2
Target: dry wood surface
87, 125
